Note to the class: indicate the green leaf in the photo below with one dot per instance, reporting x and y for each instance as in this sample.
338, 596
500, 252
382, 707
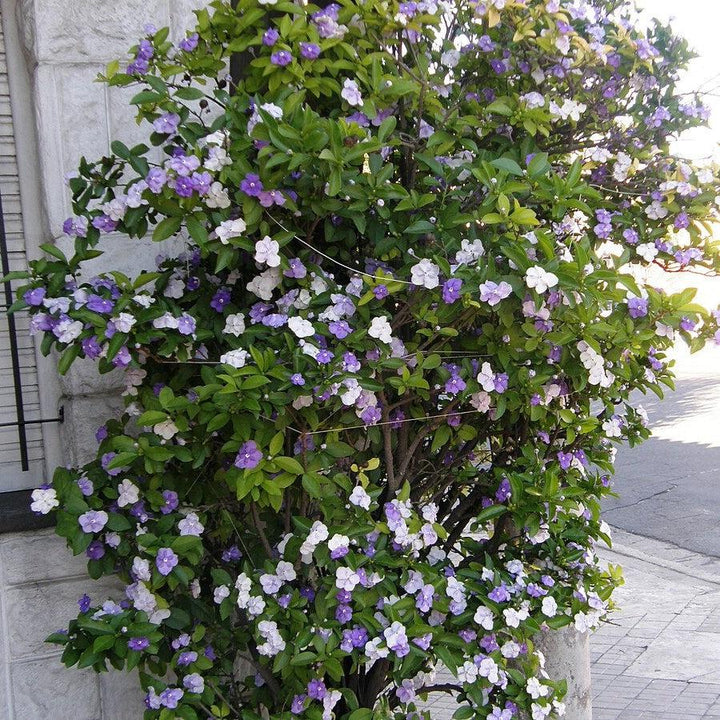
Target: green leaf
289, 465
166, 228
103, 642
151, 417
189, 93
508, 165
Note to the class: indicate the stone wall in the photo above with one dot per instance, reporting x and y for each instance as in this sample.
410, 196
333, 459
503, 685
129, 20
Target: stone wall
60, 46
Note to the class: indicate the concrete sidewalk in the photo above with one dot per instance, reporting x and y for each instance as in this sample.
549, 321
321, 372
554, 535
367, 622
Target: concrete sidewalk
659, 656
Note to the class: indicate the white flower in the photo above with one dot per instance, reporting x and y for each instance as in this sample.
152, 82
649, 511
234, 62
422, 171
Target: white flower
467, 672
351, 93
68, 330
647, 251
230, 229
539, 279
271, 584
346, 579
220, 594
141, 569
612, 428
484, 617
264, 284
235, 358
266, 251
360, 498
217, 159
533, 100
44, 500
486, 377
217, 196
144, 300
469, 252
489, 669
234, 324
381, 330
300, 327
166, 321
481, 401
166, 429
255, 606
285, 571
129, 493
123, 322
191, 525
549, 606
425, 274
536, 689
656, 210
450, 58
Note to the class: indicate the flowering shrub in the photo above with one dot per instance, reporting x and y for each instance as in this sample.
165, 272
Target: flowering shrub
373, 406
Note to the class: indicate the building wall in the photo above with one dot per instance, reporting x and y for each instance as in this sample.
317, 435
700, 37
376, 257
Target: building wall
55, 50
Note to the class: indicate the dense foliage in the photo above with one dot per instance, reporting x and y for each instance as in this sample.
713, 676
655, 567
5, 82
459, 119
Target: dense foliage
373, 406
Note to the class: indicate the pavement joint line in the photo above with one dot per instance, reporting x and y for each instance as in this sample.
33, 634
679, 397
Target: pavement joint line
626, 550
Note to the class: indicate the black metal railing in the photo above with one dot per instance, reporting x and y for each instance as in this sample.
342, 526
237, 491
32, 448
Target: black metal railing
21, 422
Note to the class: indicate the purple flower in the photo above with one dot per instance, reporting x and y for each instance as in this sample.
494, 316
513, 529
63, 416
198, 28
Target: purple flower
310, 51
165, 561
281, 58
316, 689
637, 307
297, 269
35, 296
156, 180
220, 299
123, 358
340, 329
451, 290
297, 379
565, 460
186, 658
486, 44
503, 492
492, 293
104, 223
171, 501
682, 221
186, 324
84, 603
91, 347
189, 43
95, 550
170, 697
298, 704
270, 37
138, 643
324, 357
251, 185
499, 594
249, 456
167, 124
93, 521
184, 187
380, 292
343, 613
99, 304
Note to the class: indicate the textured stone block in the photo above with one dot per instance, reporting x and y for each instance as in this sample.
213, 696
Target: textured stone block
71, 31
182, 17
121, 696
29, 557
83, 416
46, 690
35, 611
